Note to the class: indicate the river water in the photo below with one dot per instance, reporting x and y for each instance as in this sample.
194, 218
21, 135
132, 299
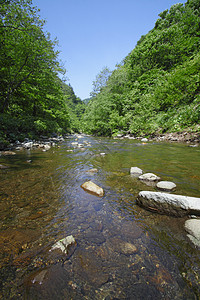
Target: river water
123, 251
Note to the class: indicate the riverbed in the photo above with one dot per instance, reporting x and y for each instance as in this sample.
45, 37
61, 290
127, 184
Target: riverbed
123, 251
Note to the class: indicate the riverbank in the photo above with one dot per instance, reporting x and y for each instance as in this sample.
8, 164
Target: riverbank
184, 137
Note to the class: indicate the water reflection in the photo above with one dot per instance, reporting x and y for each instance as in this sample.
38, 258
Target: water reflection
123, 251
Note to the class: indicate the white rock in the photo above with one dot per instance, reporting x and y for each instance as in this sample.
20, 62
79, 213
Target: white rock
192, 226
165, 203
91, 187
28, 145
136, 171
166, 185
144, 140
102, 154
149, 177
64, 244
47, 147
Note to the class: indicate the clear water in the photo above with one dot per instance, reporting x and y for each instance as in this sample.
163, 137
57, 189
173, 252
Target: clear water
43, 202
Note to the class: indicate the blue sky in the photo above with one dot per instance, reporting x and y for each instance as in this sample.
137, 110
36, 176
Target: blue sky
94, 34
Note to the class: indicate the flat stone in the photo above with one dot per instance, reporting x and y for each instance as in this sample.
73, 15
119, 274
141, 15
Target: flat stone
176, 205
192, 226
166, 185
144, 140
149, 177
93, 188
135, 171
8, 153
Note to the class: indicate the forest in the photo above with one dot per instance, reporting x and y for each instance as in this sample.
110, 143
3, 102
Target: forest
155, 89
34, 100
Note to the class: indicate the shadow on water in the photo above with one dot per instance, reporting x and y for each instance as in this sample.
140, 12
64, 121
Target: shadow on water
123, 251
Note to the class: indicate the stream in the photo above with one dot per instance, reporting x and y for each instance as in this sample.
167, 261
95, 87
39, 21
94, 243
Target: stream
123, 251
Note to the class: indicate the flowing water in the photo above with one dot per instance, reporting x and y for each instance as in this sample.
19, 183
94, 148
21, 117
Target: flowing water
122, 251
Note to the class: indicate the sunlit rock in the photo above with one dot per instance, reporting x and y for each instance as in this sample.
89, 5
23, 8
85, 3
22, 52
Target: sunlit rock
149, 177
28, 145
64, 244
93, 188
192, 226
166, 185
8, 153
135, 171
144, 140
102, 154
165, 203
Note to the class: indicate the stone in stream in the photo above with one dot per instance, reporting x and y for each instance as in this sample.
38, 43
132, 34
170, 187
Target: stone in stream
3, 167
164, 203
93, 188
65, 244
149, 177
102, 154
8, 153
193, 228
92, 171
123, 247
144, 140
166, 185
135, 171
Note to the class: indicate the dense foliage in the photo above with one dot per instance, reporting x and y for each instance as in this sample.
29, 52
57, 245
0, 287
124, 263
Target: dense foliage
156, 88
33, 100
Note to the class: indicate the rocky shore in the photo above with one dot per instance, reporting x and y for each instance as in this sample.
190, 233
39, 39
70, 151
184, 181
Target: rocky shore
184, 137
44, 143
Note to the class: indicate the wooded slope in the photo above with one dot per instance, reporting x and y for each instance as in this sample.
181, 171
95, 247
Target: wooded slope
156, 88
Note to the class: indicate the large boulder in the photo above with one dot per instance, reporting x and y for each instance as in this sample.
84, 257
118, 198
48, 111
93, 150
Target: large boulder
93, 188
165, 203
192, 226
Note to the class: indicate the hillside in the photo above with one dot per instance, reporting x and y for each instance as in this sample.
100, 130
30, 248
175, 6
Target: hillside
156, 87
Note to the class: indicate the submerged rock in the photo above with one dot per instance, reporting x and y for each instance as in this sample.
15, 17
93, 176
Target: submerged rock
176, 205
92, 171
193, 228
93, 188
3, 167
166, 185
